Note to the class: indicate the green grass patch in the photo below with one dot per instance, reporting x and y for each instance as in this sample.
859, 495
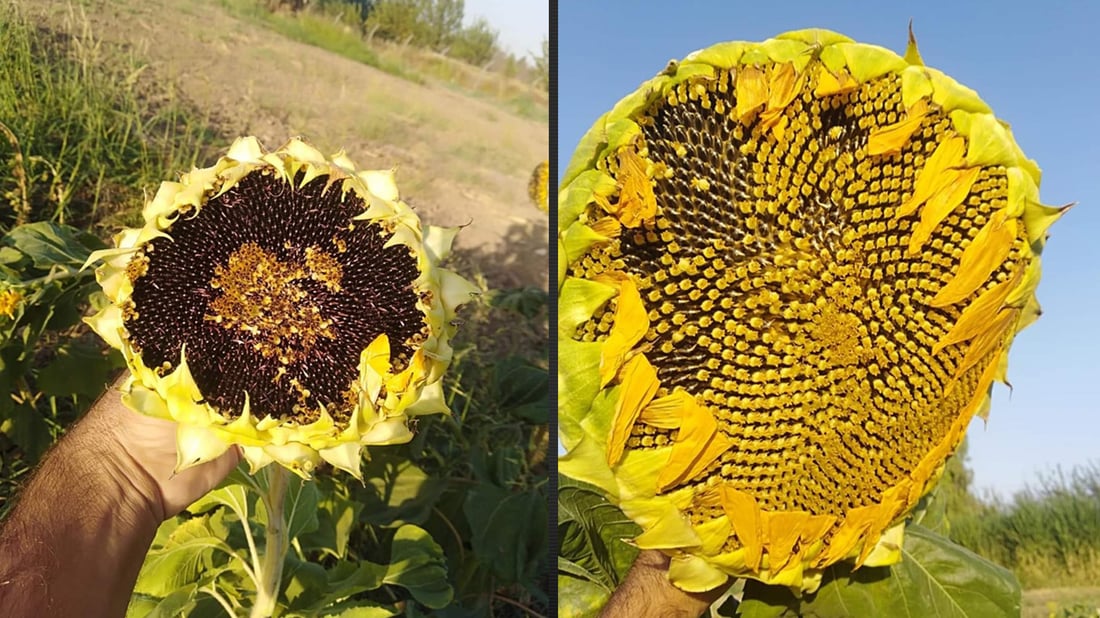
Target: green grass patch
321, 31
1048, 534
83, 132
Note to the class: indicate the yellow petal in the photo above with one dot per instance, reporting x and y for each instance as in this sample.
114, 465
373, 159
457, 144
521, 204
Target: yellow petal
698, 444
978, 315
637, 202
639, 385
667, 412
783, 529
956, 186
345, 456
630, 325
981, 257
784, 85
744, 515
830, 84
751, 90
891, 138
931, 178
196, 444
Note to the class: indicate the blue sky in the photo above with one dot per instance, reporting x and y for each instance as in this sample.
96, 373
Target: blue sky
1037, 66
521, 25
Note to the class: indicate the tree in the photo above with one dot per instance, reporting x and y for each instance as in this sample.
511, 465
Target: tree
475, 44
542, 66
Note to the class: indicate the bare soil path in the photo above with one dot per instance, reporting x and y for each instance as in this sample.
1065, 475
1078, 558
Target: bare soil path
460, 160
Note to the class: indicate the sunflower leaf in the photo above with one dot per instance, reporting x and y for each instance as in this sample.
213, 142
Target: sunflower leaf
522, 390
509, 530
300, 508
187, 553
936, 577
47, 244
417, 564
178, 603
591, 530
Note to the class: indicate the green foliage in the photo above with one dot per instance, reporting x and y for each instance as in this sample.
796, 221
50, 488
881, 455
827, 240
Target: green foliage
209, 552
593, 559
433, 24
1049, 534
80, 140
47, 370
320, 31
934, 578
955, 487
79, 135
542, 66
475, 44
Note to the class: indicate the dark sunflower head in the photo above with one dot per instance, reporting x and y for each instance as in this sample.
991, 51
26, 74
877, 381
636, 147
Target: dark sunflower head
790, 272
285, 302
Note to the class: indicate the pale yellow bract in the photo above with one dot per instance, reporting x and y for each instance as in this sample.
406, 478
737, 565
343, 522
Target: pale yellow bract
386, 399
789, 273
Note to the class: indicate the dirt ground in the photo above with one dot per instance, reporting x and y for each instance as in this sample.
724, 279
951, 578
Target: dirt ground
460, 160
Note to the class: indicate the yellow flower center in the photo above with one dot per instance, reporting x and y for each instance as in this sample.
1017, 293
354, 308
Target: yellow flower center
262, 297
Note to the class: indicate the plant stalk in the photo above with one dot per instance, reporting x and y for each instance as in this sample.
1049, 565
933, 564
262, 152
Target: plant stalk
270, 570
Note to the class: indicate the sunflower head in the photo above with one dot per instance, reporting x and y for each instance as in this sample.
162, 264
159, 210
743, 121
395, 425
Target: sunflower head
537, 187
789, 273
285, 302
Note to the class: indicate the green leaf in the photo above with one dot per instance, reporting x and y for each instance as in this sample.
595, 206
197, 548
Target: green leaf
522, 390
303, 583
591, 532
417, 564
931, 512
300, 507
347, 579
509, 530
935, 578
337, 516
25, 427
363, 611
233, 494
580, 598
177, 603
185, 556
78, 368
397, 491
47, 244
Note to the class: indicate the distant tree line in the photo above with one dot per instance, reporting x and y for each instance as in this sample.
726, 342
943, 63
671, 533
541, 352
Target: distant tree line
429, 24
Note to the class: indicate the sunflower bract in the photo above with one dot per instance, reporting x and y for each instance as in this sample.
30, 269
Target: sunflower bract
285, 302
790, 272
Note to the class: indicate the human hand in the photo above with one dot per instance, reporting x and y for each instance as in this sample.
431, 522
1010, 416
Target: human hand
646, 592
147, 457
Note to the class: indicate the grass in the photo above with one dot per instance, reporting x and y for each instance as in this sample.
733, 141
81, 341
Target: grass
410, 63
83, 133
1049, 535
320, 31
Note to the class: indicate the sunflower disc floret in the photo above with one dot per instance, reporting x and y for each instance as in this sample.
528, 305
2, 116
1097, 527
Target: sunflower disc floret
285, 302
789, 273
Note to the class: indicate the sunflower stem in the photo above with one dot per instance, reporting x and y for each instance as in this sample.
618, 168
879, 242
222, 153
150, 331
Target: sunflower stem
276, 542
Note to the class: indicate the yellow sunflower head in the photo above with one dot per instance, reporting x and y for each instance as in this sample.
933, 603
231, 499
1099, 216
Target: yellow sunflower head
285, 302
537, 187
790, 272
